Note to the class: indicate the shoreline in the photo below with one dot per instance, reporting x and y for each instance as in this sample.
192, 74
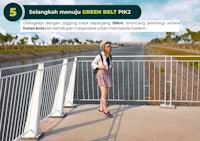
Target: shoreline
32, 55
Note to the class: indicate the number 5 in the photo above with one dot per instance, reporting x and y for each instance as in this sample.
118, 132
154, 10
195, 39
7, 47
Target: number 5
13, 12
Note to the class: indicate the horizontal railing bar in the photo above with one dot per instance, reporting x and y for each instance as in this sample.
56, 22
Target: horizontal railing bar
136, 100
126, 56
34, 64
18, 74
89, 61
19, 66
21, 73
184, 101
57, 65
118, 100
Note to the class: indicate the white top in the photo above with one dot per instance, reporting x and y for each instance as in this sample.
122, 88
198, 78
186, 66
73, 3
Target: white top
97, 61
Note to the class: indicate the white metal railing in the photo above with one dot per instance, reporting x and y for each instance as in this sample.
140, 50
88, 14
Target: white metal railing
31, 93
154, 78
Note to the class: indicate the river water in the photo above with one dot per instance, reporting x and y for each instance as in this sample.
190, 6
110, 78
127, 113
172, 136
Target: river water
126, 50
128, 77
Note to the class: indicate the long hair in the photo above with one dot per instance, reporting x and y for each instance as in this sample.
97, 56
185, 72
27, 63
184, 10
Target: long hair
107, 54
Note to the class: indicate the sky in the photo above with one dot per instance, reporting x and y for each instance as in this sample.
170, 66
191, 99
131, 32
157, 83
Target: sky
187, 11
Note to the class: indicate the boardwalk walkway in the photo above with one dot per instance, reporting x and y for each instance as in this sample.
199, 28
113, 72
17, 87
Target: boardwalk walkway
130, 123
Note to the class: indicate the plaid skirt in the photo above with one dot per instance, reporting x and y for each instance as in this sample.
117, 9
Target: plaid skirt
104, 78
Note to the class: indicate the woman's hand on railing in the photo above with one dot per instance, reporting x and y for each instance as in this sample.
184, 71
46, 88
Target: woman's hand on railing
112, 66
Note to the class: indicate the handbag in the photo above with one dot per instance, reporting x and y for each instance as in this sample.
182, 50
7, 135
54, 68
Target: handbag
96, 70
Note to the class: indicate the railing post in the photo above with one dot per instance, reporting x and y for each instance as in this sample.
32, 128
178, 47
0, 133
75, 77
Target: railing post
170, 81
70, 90
165, 105
171, 75
32, 121
165, 87
57, 110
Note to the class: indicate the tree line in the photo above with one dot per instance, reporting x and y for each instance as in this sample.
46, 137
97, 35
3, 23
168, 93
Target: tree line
189, 37
12, 40
57, 41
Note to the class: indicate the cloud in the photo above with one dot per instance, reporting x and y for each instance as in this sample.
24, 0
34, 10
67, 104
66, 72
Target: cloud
186, 11
34, 2
93, 2
111, 36
2, 30
176, 10
63, 2
48, 36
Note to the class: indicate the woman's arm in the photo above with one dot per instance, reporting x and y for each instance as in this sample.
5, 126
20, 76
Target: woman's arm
96, 63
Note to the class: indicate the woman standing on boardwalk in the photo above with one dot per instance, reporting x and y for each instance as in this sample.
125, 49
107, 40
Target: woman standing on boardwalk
103, 62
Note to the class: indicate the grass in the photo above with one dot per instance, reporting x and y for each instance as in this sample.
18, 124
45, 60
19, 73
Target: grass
162, 70
32, 49
168, 51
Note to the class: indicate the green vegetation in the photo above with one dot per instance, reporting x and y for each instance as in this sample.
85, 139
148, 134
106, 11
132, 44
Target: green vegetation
188, 40
162, 70
31, 48
190, 37
13, 44
172, 44
186, 44
168, 51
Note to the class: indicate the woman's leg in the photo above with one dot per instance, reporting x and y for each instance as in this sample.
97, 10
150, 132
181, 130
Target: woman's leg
103, 103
